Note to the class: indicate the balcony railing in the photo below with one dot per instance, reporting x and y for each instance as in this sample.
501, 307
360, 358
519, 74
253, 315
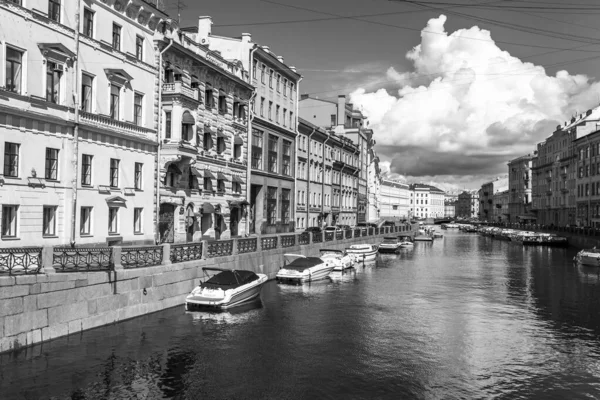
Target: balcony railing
180, 88
127, 128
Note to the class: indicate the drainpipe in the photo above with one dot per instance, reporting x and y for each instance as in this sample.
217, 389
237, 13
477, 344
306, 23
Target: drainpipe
158, 144
249, 139
357, 186
323, 182
340, 198
308, 180
75, 156
296, 130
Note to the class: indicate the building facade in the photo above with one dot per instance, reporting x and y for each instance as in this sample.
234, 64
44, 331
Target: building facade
204, 143
395, 199
426, 201
519, 183
467, 205
486, 197
83, 177
449, 208
500, 211
374, 187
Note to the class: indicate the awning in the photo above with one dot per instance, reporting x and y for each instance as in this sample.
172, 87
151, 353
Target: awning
187, 118
221, 176
175, 169
195, 172
238, 140
237, 179
220, 133
208, 174
208, 208
238, 203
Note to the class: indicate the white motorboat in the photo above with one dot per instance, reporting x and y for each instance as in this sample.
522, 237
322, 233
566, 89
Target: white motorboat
406, 241
299, 269
363, 252
589, 257
228, 288
340, 259
389, 245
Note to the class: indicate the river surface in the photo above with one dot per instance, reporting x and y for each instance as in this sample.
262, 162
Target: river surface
466, 317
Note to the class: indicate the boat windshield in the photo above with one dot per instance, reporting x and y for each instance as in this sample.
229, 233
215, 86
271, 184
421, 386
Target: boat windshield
300, 264
230, 279
390, 240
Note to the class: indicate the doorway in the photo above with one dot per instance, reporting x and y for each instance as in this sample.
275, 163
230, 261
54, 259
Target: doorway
166, 223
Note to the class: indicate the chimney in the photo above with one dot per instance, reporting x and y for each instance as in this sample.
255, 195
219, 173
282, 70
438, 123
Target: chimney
341, 109
246, 38
304, 96
280, 59
204, 28
293, 68
266, 49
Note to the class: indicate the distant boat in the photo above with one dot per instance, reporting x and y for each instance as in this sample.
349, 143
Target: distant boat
299, 269
340, 259
589, 257
389, 245
363, 252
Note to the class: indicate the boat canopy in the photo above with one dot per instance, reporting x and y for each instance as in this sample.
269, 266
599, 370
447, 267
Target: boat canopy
228, 278
361, 247
300, 264
331, 251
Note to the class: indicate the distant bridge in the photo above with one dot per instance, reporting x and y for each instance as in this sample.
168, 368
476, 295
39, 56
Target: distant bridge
439, 221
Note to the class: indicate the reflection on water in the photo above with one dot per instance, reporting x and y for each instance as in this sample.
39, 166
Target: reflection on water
463, 317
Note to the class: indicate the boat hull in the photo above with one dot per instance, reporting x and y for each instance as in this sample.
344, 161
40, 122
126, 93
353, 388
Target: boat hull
590, 261
388, 248
364, 256
308, 275
423, 239
231, 298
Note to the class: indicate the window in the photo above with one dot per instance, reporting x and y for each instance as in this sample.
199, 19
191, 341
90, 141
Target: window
262, 73
53, 75
285, 206
277, 113
333, 120
86, 92
138, 175
168, 125
139, 47
284, 117
286, 157
262, 106
14, 60
220, 185
273, 143
49, 221
88, 22
187, 132
221, 147
85, 221
113, 220
257, 144
278, 83
271, 78
237, 150
292, 121
271, 205
11, 159
54, 10
137, 109
137, 220
207, 141
285, 86
208, 96
208, 184
115, 93
114, 172
51, 164
9, 221
116, 37
86, 170
222, 102
254, 66
236, 187
270, 115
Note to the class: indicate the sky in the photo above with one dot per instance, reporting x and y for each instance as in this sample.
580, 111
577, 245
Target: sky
453, 89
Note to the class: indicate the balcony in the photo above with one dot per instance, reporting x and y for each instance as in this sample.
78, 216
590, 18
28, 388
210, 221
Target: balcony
178, 88
113, 125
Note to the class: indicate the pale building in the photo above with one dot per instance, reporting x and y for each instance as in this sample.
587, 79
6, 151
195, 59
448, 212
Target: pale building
395, 199
426, 201
519, 184
111, 183
449, 208
486, 197
374, 187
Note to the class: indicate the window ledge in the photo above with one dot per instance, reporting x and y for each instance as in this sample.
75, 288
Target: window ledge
50, 236
138, 233
86, 235
7, 238
113, 234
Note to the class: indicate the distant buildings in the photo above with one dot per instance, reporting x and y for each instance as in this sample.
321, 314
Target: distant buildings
519, 185
395, 199
467, 205
426, 201
487, 205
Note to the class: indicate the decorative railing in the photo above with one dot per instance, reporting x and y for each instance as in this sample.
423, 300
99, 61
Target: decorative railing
288, 240
20, 261
317, 237
247, 245
348, 233
68, 259
339, 235
219, 248
329, 236
116, 125
144, 256
268, 243
304, 238
180, 88
357, 233
186, 252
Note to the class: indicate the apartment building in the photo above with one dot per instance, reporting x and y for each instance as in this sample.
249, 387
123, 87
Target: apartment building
395, 199
426, 201
486, 197
107, 195
519, 184
467, 205
204, 142
374, 202
500, 210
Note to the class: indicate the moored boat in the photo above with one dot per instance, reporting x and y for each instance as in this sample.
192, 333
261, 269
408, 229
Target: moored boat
339, 258
390, 244
406, 241
298, 268
363, 252
589, 257
225, 289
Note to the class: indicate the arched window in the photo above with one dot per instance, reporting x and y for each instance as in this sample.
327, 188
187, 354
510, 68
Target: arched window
187, 126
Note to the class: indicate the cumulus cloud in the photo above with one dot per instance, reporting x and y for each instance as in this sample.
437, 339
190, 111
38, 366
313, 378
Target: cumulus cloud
468, 106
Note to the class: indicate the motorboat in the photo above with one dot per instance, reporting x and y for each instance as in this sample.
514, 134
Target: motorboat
437, 235
590, 257
423, 238
298, 268
340, 259
545, 239
450, 226
225, 289
406, 241
363, 252
389, 245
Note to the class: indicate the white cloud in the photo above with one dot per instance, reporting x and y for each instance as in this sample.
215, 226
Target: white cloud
470, 98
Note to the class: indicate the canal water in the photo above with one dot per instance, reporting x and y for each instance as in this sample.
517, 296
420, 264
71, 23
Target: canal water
466, 317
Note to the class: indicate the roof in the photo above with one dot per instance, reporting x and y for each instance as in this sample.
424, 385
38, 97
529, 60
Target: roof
300, 264
416, 186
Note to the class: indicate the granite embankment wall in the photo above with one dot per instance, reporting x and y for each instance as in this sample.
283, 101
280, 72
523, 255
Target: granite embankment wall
39, 307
